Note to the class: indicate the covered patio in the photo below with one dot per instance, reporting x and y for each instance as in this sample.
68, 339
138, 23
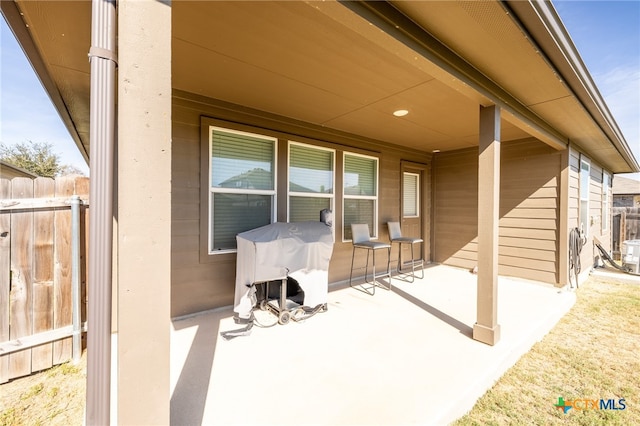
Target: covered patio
328, 76
400, 357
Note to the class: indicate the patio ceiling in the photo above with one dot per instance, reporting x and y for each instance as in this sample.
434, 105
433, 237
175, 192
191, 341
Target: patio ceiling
323, 63
300, 60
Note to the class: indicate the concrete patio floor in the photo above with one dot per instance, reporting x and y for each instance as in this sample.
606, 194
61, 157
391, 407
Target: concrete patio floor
400, 357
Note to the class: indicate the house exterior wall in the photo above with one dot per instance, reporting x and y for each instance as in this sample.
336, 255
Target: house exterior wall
530, 202
201, 281
529, 209
590, 255
455, 211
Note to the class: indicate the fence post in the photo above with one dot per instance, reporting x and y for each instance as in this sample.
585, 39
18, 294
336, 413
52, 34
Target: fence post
75, 277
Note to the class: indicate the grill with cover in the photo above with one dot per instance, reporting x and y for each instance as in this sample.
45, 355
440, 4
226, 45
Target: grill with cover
297, 250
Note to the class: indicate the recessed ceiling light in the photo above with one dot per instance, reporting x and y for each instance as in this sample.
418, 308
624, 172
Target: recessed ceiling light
435, 151
400, 113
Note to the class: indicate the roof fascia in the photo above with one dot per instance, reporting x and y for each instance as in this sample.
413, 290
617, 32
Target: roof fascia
13, 17
395, 23
541, 21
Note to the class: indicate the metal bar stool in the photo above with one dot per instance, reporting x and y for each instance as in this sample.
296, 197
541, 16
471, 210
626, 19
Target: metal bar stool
395, 235
361, 239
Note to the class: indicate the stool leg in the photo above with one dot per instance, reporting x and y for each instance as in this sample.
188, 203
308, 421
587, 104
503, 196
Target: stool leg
361, 287
400, 270
414, 264
353, 254
366, 270
389, 265
412, 275
373, 281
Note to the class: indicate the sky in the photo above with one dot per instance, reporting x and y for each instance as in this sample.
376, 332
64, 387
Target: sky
607, 37
606, 34
26, 111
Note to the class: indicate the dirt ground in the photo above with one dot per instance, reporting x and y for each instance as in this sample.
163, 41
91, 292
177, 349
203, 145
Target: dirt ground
51, 397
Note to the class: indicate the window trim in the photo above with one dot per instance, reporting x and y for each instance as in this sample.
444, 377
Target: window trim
606, 201
290, 193
584, 195
417, 195
213, 190
375, 198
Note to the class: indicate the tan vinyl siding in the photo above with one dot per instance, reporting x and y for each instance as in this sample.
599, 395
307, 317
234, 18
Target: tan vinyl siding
455, 208
201, 281
590, 254
595, 199
192, 284
574, 188
529, 206
530, 175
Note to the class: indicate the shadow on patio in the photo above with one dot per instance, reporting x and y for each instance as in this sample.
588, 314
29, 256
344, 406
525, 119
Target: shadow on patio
398, 357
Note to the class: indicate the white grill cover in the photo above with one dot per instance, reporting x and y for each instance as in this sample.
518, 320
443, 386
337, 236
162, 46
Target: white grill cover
264, 254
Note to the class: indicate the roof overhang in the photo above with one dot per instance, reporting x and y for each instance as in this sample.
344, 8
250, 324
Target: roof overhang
348, 68
18, 171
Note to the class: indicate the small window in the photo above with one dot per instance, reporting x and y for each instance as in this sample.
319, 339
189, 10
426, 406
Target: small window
410, 195
311, 177
242, 185
360, 192
585, 179
606, 184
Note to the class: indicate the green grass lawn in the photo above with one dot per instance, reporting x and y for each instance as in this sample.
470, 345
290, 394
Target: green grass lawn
593, 353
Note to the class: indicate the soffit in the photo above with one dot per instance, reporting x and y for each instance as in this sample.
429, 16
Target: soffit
489, 37
321, 63
485, 35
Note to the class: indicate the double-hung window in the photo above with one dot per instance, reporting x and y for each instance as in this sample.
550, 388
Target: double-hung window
585, 179
311, 177
242, 185
360, 192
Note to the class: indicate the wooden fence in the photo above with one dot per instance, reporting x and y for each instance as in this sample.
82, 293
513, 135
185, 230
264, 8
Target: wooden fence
36, 271
626, 226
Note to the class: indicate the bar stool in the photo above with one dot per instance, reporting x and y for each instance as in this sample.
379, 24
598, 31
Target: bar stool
395, 235
362, 240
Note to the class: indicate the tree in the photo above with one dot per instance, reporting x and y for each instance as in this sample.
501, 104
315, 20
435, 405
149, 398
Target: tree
68, 169
37, 158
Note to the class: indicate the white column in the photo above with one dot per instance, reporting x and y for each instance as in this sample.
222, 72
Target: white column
486, 328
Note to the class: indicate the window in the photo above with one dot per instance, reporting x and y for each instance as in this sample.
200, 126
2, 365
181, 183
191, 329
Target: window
410, 195
585, 170
606, 183
311, 177
242, 185
360, 192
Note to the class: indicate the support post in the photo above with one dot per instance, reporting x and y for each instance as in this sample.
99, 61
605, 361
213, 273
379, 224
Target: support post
563, 223
486, 329
144, 211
